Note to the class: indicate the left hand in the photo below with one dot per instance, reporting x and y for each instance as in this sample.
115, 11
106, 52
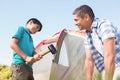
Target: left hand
37, 57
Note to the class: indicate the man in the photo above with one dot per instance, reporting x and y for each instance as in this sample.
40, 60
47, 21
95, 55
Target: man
101, 43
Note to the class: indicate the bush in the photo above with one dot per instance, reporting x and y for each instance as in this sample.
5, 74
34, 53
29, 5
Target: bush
4, 72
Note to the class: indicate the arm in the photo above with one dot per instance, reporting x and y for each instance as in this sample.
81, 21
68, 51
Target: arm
89, 65
109, 58
15, 47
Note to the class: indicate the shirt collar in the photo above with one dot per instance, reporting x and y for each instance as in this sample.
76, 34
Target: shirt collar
95, 23
26, 29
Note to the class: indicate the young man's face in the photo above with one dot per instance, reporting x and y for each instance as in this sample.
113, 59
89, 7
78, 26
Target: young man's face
79, 22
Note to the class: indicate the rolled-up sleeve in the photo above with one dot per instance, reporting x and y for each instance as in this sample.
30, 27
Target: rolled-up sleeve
107, 30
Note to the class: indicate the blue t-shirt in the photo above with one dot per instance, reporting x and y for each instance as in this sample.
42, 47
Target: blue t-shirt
25, 43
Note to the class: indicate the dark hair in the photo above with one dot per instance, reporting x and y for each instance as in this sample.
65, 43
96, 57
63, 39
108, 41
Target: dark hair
35, 21
84, 9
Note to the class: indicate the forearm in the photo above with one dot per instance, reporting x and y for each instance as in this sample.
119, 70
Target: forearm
89, 66
18, 51
109, 63
109, 58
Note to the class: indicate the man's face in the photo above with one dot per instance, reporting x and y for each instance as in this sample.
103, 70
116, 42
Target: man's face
80, 22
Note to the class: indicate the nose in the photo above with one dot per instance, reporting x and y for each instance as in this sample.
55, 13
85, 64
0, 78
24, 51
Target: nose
76, 24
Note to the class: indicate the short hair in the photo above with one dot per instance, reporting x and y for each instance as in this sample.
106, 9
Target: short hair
35, 21
84, 9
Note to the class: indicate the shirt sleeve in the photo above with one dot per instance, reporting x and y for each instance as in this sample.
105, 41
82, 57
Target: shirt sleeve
18, 33
87, 43
107, 30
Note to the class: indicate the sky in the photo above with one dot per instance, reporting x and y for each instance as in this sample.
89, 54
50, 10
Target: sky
55, 15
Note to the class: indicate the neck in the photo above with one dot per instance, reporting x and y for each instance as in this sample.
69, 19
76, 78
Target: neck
89, 30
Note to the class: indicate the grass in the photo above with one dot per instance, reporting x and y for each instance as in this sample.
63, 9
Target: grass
97, 76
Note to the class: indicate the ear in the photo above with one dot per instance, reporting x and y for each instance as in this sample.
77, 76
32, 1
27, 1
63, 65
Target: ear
30, 22
87, 17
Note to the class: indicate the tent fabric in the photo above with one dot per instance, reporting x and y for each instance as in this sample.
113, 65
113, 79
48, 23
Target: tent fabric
69, 60
41, 68
73, 68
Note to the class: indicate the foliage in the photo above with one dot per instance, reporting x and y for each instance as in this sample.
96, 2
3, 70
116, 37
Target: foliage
4, 72
97, 76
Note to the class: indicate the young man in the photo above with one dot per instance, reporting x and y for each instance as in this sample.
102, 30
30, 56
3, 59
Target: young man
23, 50
101, 43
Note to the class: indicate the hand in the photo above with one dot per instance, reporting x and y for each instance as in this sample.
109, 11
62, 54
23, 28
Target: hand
29, 60
37, 57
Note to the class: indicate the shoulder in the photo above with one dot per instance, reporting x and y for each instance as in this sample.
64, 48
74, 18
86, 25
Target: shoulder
21, 28
18, 34
104, 22
105, 25
97, 22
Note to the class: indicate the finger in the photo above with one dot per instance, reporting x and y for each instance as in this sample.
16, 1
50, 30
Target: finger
30, 61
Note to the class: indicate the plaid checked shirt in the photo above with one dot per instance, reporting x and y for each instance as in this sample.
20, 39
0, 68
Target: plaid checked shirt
104, 30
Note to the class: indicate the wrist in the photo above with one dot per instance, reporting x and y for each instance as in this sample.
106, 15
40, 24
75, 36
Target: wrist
25, 57
34, 52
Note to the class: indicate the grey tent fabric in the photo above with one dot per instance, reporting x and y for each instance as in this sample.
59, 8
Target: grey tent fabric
73, 68
41, 68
